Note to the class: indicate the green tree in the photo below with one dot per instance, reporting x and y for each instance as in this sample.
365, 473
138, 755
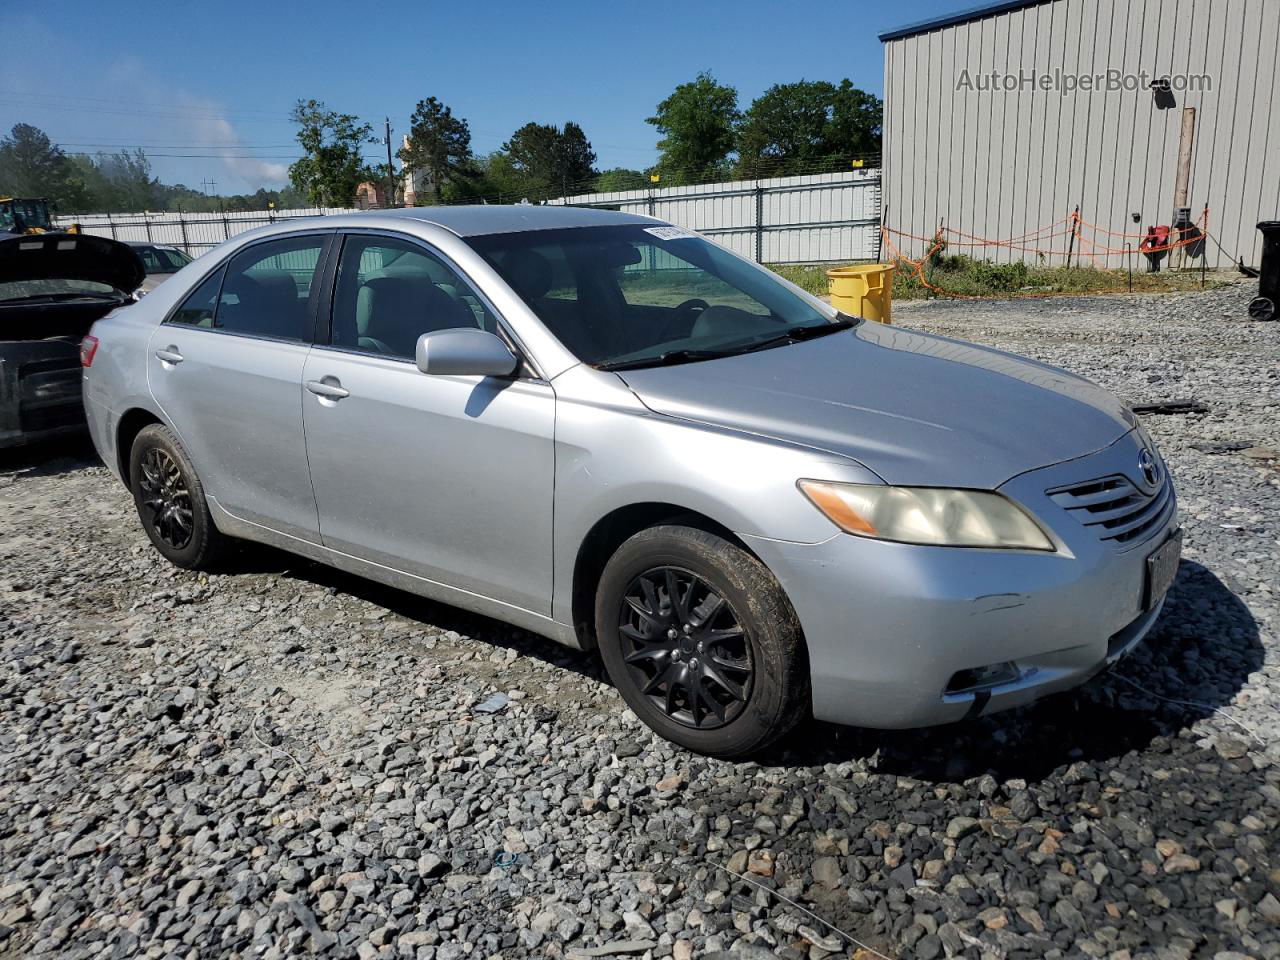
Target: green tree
32, 165
549, 159
439, 145
620, 178
795, 127
499, 180
785, 128
333, 165
128, 179
856, 119
697, 123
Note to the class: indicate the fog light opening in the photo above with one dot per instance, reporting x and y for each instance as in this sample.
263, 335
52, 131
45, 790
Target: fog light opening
978, 679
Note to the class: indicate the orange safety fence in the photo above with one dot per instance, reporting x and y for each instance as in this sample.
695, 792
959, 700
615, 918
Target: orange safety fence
1029, 243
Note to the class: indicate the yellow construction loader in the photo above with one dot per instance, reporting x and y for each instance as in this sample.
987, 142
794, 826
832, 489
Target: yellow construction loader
29, 216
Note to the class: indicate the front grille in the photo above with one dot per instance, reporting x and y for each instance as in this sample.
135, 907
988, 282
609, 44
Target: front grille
1114, 508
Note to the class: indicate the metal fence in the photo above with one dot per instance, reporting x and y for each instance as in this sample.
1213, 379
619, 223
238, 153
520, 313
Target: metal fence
196, 233
814, 218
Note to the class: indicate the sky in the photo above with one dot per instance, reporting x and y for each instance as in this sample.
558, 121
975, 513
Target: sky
206, 89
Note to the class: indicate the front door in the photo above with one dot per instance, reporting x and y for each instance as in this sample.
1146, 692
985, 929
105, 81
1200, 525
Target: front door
448, 478
226, 369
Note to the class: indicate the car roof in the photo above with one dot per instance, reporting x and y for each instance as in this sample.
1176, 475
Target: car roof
478, 220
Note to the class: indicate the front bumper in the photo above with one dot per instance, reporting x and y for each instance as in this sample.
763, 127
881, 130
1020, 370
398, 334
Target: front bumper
890, 627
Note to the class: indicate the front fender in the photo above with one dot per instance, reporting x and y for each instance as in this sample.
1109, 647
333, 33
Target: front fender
613, 452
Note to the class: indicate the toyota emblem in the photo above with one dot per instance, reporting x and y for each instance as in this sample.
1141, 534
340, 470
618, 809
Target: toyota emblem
1150, 468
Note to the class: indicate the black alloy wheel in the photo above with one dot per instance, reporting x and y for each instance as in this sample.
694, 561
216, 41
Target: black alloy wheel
166, 497
686, 648
171, 502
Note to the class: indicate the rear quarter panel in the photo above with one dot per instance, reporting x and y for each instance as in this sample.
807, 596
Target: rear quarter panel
117, 381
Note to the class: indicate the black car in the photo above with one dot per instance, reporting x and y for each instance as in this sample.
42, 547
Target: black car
160, 261
53, 286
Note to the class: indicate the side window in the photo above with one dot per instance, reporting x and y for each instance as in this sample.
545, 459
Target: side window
266, 289
390, 292
198, 309
150, 262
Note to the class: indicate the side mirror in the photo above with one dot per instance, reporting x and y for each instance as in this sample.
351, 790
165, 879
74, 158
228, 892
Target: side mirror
464, 352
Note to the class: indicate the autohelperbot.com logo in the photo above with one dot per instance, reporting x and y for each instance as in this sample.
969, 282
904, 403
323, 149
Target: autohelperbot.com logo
1065, 83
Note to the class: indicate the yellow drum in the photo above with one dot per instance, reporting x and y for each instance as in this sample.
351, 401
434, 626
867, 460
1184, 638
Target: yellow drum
865, 291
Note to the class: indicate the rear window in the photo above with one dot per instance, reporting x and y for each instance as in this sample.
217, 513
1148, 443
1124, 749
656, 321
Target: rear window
19, 289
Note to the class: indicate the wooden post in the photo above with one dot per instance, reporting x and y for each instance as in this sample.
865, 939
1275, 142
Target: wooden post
1071, 240
1182, 181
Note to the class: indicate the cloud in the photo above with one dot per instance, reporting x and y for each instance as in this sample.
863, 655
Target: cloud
209, 125
113, 101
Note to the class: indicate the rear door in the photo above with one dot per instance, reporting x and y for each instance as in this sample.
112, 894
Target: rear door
445, 477
226, 368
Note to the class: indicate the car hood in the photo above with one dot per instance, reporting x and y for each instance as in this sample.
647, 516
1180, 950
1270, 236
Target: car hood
68, 256
913, 407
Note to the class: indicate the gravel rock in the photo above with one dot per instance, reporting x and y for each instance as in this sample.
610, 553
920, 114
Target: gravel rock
281, 759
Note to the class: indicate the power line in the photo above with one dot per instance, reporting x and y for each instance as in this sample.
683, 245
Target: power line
224, 156
151, 115
34, 99
154, 145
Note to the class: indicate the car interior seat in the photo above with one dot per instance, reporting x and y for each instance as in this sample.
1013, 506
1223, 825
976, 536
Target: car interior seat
532, 277
399, 309
265, 303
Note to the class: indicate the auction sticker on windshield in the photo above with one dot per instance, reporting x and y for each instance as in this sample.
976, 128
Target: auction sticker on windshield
669, 233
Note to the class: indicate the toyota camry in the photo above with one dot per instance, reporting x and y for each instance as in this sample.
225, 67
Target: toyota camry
622, 436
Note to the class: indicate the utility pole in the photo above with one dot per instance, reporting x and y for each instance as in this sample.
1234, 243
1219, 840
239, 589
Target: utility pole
391, 173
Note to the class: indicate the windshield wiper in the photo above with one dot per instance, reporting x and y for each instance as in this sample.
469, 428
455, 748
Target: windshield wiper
798, 334
673, 357
668, 359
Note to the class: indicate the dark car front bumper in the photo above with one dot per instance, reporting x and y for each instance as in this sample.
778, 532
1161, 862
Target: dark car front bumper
40, 390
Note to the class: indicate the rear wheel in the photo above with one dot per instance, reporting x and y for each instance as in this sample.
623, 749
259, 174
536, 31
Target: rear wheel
701, 641
170, 500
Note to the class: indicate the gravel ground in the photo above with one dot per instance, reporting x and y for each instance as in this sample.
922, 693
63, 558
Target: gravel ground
287, 760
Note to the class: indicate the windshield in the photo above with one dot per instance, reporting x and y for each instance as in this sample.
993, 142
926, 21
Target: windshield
22, 289
31, 213
635, 295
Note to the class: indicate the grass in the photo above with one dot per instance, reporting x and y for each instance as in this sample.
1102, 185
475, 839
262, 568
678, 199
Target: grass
966, 276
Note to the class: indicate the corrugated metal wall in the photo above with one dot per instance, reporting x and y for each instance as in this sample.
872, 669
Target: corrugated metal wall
1000, 164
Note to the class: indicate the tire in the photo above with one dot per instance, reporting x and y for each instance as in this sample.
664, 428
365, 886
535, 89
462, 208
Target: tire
683, 690
174, 514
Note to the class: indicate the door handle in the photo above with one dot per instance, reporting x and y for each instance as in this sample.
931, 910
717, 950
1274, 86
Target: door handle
169, 354
330, 391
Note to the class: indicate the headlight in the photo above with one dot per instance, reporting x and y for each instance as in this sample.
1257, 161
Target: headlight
927, 515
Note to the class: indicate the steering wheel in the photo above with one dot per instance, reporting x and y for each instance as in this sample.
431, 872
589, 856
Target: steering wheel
680, 316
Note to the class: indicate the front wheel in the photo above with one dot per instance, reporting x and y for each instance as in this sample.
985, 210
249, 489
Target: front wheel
701, 641
170, 501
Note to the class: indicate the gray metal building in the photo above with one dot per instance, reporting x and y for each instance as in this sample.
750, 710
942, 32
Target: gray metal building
968, 147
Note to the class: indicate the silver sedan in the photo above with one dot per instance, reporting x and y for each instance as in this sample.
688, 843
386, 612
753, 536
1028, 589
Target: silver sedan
616, 434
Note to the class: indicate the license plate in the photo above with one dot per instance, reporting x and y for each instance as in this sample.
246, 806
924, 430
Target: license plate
1162, 567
